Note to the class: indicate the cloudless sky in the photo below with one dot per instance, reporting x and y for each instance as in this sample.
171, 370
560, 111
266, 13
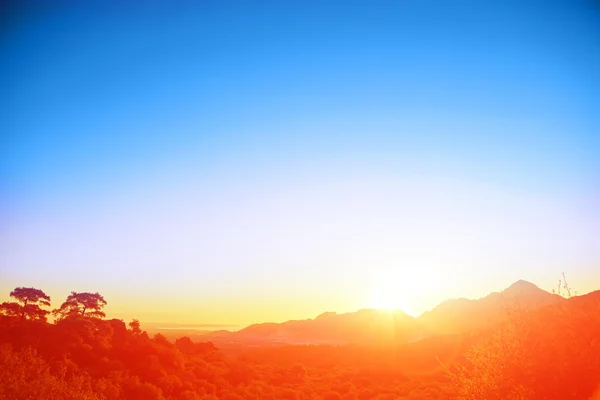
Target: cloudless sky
238, 162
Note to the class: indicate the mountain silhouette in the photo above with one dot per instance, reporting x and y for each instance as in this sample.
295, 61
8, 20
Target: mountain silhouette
465, 315
371, 326
363, 326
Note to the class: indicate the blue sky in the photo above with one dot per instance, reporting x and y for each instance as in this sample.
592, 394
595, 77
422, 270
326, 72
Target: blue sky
231, 152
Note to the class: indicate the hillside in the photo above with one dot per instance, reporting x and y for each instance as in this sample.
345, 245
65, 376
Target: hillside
552, 352
465, 315
363, 326
370, 326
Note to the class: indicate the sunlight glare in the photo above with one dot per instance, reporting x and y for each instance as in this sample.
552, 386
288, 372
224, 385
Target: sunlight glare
405, 289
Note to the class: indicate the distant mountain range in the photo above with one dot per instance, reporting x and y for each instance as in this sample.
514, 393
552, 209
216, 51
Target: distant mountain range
464, 315
370, 326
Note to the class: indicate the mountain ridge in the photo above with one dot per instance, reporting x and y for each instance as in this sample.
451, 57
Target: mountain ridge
370, 325
465, 315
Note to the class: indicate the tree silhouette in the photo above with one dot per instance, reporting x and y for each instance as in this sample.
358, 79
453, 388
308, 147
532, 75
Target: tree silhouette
28, 304
82, 304
135, 327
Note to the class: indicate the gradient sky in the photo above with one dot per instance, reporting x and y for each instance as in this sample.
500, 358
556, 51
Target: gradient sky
229, 163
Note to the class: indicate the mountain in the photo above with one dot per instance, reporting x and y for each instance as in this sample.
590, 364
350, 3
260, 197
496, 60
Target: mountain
363, 326
464, 315
370, 326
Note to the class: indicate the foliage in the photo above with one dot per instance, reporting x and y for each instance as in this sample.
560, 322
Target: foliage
551, 354
29, 304
119, 363
82, 304
135, 327
25, 375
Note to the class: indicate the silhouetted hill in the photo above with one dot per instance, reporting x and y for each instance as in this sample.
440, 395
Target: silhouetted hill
464, 315
552, 352
370, 326
364, 326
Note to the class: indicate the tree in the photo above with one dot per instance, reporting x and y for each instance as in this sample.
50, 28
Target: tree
24, 374
28, 305
494, 367
185, 345
135, 327
82, 304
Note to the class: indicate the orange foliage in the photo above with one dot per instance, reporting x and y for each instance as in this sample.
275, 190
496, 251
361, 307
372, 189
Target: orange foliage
553, 353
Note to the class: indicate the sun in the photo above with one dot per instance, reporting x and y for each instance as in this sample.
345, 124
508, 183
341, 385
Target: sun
390, 295
392, 290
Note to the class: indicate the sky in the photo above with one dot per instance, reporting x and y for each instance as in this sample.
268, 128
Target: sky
234, 162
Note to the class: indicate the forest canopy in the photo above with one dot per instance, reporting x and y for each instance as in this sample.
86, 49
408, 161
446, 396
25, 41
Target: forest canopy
553, 353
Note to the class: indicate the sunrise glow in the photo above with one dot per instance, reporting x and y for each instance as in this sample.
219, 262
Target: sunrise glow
231, 166
294, 200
